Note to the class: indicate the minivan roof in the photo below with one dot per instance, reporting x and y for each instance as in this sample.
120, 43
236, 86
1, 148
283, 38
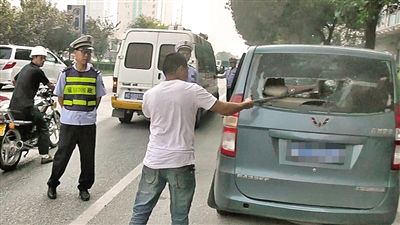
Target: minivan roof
158, 30
17, 46
322, 49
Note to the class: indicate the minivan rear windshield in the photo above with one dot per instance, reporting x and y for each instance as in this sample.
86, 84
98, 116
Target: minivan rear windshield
5, 53
322, 82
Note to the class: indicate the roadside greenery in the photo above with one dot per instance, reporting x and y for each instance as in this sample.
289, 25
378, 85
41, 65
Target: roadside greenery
339, 22
147, 22
38, 22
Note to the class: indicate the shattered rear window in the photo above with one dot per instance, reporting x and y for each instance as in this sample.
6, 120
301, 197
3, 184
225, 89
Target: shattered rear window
322, 82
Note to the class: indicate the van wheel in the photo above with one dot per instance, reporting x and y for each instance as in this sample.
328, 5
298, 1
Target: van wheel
127, 117
198, 118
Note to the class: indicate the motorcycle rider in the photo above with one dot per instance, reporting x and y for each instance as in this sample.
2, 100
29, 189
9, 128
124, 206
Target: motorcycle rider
27, 83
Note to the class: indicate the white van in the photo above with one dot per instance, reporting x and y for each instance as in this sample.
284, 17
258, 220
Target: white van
139, 62
14, 57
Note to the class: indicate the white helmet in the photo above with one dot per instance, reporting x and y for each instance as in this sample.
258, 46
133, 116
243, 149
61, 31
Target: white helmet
38, 50
184, 44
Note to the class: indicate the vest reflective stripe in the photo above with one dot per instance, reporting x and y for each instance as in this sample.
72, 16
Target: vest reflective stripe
79, 89
79, 102
81, 79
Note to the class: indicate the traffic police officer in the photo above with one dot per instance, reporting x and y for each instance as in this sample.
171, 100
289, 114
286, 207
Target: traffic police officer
230, 76
79, 90
185, 48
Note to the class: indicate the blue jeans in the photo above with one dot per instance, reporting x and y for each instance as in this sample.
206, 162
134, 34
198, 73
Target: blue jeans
181, 183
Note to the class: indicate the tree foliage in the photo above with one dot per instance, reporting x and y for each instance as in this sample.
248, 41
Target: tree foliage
101, 32
36, 22
363, 15
7, 18
147, 22
339, 22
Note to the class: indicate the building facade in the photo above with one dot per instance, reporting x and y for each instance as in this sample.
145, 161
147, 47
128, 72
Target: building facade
388, 34
168, 12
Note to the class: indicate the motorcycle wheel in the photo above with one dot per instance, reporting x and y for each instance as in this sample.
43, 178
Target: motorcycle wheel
9, 153
54, 129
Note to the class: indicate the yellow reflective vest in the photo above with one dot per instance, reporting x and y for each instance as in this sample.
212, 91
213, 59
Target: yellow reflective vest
80, 89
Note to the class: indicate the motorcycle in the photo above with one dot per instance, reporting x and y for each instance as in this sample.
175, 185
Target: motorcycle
18, 136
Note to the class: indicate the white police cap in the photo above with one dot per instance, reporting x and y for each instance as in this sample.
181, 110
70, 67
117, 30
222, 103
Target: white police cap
184, 44
85, 41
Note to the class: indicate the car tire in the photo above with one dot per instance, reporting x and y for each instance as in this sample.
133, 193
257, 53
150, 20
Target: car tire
223, 213
127, 117
211, 196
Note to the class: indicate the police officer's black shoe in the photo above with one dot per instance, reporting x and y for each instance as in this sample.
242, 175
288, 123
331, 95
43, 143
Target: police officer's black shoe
84, 194
52, 193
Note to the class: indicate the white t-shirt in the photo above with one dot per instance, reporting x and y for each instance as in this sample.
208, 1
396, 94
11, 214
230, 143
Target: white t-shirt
171, 107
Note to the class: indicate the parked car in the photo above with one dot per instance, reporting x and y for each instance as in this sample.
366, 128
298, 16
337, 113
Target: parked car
14, 57
322, 143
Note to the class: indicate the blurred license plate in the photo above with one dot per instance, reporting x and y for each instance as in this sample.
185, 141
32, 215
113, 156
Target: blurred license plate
316, 153
133, 96
2, 129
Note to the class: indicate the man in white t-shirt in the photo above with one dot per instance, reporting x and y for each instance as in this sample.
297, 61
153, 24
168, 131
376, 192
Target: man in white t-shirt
171, 107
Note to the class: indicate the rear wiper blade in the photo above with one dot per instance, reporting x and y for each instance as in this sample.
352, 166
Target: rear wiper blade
288, 94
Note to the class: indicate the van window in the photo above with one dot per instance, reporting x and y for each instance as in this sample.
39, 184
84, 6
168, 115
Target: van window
205, 57
5, 53
23, 54
138, 56
323, 82
164, 51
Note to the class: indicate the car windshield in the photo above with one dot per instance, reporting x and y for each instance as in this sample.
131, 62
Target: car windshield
322, 82
5, 53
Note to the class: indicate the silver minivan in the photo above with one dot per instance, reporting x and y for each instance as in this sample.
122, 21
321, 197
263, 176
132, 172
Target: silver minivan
321, 144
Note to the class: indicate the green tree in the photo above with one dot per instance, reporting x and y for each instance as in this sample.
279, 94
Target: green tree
147, 22
101, 32
363, 15
36, 22
340, 22
7, 21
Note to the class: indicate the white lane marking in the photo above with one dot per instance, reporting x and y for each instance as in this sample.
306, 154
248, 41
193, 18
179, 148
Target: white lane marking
96, 207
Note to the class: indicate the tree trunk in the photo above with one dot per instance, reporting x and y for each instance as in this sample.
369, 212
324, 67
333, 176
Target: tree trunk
374, 9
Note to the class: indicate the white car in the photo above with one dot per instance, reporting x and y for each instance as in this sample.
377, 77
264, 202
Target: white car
14, 57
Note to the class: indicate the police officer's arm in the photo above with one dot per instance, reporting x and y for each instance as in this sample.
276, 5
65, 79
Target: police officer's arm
229, 108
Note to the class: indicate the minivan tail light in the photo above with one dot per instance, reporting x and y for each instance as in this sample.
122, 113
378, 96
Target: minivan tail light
396, 155
9, 65
229, 135
115, 84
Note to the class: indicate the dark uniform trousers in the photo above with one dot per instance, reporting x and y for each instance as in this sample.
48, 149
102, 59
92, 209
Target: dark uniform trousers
42, 128
71, 135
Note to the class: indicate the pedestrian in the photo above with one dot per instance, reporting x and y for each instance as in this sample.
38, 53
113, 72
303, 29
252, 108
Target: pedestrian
185, 48
230, 76
171, 107
27, 83
79, 90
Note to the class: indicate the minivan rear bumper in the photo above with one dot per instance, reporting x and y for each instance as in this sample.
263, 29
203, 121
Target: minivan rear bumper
123, 104
228, 198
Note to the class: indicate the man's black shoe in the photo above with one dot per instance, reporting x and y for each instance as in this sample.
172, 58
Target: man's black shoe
84, 194
52, 193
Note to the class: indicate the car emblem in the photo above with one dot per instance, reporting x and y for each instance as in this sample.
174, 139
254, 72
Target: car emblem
319, 123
